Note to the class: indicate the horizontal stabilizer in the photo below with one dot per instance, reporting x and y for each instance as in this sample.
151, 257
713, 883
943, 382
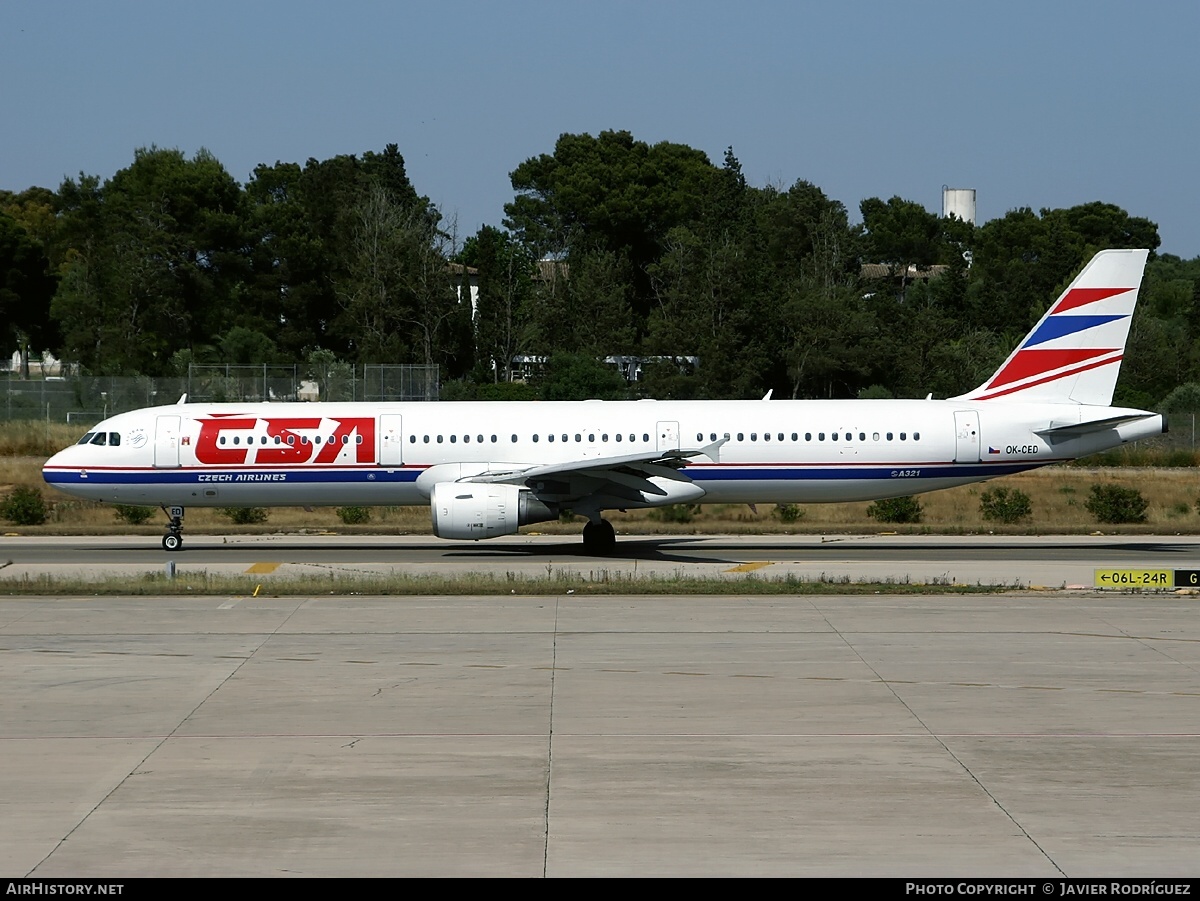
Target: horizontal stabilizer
1076, 429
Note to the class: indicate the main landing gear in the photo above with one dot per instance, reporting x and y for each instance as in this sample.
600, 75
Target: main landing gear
599, 537
173, 540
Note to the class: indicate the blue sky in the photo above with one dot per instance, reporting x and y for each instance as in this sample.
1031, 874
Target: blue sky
1044, 104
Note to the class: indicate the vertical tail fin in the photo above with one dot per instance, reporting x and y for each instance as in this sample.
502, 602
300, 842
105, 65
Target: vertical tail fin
1074, 353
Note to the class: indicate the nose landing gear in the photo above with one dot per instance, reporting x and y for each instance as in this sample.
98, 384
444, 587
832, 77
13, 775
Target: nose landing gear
173, 540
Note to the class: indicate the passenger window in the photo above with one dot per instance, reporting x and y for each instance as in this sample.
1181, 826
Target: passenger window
795, 436
619, 436
426, 439
820, 436
889, 436
292, 439
902, 436
916, 436
862, 436
591, 439
741, 436
766, 436
754, 436
699, 436
454, 439
466, 439
578, 437
550, 437
808, 436
875, 436
514, 439
439, 438
646, 438
535, 439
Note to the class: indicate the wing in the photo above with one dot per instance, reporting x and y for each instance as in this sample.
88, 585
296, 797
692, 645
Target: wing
647, 479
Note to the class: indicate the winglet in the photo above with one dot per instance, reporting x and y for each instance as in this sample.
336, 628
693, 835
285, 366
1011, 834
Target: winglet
713, 451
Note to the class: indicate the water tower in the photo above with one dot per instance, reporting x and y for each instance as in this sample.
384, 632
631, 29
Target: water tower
958, 202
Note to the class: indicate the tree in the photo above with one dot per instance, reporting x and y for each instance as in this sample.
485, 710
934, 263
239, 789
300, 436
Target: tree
26, 291
570, 376
902, 234
153, 262
503, 327
610, 193
308, 226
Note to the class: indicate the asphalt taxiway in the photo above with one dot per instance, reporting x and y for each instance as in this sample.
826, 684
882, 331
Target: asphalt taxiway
1052, 561
1039, 734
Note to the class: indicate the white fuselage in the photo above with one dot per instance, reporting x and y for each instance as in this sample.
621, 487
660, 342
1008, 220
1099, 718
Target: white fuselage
393, 453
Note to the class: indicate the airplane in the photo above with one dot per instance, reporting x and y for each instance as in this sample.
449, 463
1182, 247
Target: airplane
488, 468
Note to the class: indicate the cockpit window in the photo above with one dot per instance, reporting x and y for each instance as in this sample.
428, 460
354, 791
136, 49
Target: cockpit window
100, 438
114, 439
86, 439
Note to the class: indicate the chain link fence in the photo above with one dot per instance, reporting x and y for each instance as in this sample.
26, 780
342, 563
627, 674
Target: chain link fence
88, 399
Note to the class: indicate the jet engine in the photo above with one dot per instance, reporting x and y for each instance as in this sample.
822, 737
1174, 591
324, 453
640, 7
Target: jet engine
475, 510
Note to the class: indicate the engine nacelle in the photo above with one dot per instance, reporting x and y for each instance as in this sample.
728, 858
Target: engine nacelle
475, 510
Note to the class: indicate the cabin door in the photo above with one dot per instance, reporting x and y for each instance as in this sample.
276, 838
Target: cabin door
668, 436
166, 442
391, 444
966, 429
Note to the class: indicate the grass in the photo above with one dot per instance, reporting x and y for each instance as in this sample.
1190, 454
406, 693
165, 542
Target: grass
597, 583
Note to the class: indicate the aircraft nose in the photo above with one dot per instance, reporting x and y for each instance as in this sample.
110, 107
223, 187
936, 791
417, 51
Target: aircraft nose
57, 461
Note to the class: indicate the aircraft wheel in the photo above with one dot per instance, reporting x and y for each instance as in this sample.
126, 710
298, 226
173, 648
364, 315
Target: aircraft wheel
599, 537
172, 542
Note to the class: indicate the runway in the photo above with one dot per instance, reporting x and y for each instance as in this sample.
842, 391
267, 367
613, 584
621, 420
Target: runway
1029, 734
1016, 561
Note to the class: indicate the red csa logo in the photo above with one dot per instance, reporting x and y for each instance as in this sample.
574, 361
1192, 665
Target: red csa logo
311, 439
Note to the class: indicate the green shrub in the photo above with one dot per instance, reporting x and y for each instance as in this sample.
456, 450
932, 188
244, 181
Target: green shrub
354, 516
24, 507
896, 509
789, 513
676, 513
1116, 504
131, 514
245, 516
1007, 505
